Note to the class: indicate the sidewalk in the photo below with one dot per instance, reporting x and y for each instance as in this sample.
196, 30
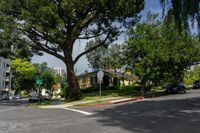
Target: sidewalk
111, 100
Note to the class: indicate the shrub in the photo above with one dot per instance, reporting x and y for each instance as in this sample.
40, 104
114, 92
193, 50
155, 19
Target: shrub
96, 88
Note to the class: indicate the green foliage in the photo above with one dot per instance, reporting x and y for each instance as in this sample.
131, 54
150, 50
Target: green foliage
23, 68
192, 75
24, 73
96, 89
104, 57
132, 89
54, 26
47, 74
11, 47
158, 52
183, 11
95, 56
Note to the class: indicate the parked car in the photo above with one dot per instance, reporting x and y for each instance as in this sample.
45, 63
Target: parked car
17, 96
35, 98
196, 84
4, 97
11, 97
175, 88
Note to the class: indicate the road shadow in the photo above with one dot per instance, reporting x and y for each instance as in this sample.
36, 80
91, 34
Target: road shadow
169, 116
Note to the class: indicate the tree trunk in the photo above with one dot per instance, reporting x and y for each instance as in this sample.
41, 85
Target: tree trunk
142, 91
74, 90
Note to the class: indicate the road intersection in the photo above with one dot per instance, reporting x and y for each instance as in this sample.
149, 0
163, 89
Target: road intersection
172, 113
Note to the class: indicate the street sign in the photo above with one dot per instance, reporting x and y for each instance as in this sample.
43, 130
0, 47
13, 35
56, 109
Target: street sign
39, 81
100, 75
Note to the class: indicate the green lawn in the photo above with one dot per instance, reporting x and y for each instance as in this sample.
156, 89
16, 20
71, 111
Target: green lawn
122, 92
125, 91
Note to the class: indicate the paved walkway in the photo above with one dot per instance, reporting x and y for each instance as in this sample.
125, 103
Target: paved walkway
71, 104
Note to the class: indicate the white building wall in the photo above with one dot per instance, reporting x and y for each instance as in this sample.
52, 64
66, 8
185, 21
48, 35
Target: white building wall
5, 74
59, 71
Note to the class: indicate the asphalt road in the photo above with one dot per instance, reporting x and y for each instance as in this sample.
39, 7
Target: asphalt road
169, 114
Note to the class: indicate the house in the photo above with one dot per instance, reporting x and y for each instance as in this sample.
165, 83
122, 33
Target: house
5, 75
111, 78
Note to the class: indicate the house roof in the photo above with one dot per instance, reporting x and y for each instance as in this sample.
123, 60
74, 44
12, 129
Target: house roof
110, 73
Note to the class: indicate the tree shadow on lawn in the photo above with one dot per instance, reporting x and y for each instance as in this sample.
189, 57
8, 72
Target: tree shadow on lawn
169, 116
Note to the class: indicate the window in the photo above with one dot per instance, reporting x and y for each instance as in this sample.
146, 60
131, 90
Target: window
4, 74
84, 80
3, 84
93, 80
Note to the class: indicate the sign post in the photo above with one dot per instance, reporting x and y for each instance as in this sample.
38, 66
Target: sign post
100, 75
39, 82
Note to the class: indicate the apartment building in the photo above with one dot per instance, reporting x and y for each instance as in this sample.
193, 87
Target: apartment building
5, 75
60, 71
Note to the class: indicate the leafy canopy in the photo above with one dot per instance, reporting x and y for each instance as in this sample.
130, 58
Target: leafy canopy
24, 75
156, 51
184, 12
103, 57
53, 26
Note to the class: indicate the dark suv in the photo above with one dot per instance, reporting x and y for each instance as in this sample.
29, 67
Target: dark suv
196, 84
175, 88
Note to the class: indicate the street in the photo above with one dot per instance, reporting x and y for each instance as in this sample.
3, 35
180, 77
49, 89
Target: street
178, 113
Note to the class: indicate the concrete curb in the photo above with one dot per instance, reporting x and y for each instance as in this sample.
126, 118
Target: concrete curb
110, 102
76, 103
127, 100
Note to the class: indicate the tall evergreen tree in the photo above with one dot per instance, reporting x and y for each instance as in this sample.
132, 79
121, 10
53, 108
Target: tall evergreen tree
53, 26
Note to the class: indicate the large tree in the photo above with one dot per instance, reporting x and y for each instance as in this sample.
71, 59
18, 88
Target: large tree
95, 57
23, 76
53, 26
103, 57
7, 41
184, 12
48, 76
156, 51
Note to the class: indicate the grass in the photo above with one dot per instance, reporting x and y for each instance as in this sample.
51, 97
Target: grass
126, 92
123, 92
91, 104
45, 102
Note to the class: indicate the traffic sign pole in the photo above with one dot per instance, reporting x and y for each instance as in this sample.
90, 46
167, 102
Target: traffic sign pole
100, 91
100, 75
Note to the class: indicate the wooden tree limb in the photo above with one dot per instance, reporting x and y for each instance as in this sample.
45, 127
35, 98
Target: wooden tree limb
39, 46
92, 48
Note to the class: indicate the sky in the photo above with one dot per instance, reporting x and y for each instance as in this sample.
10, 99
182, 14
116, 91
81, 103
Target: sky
82, 65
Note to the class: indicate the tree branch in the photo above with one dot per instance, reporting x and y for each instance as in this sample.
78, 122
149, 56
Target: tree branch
92, 48
39, 46
89, 37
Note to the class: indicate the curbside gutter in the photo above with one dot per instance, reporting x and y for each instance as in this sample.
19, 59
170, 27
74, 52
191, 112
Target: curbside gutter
127, 100
111, 101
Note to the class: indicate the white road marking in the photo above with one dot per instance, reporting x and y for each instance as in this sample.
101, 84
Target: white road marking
79, 111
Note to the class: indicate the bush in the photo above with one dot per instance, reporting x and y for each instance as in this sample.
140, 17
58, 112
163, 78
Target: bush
96, 88
132, 89
127, 90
